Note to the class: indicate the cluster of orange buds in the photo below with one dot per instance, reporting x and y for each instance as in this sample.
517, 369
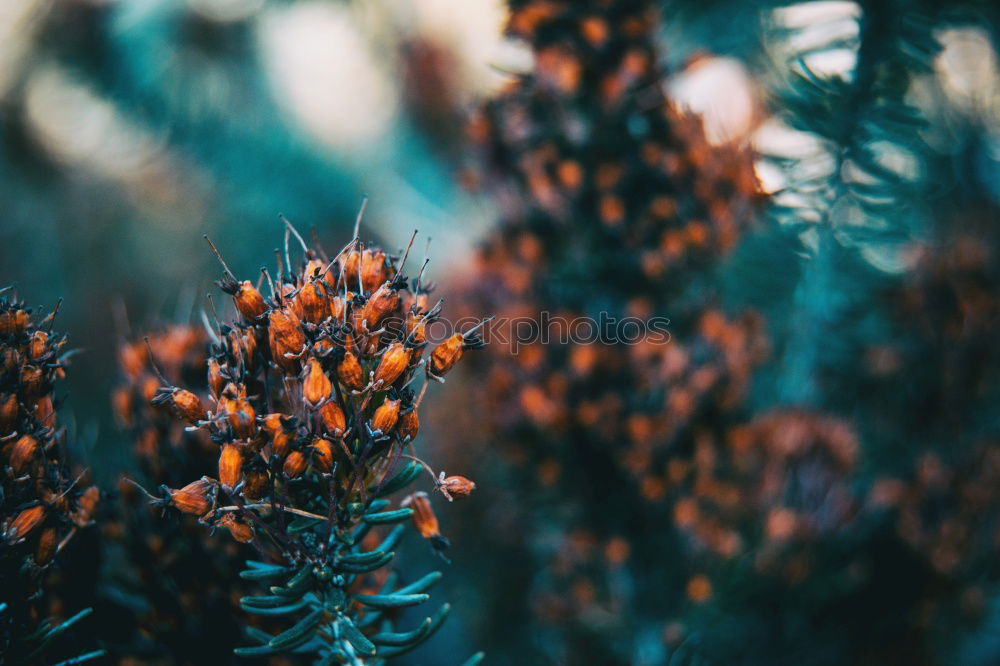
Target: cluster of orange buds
788, 475
612, 201
180, 564
597, 156
164, 448
42, 504
308, 405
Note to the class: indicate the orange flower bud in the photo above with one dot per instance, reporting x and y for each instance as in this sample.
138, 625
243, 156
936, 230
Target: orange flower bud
272, 423
295, 464
447, 354
216, 382
255, 483
86, 505
24, 523
281, 442
22, 454
196, 498
349, 372
416, 327
47, 542
423, 517
230, 465
238, 528
322, 453
187, 404
311, 301
36, 347
249, 302
316, 387
385, 417
379, 305
239, 412
374, 270
333, 418
285, 336
408, 425
14, 322
456, 487
394, 361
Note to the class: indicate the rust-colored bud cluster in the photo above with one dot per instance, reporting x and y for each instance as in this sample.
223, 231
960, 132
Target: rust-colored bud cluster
613, 202
43, 503
175, 561
308, 408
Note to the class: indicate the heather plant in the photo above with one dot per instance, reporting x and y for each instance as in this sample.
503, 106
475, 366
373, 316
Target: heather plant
764, 490
613, 202
309, 410
43, 504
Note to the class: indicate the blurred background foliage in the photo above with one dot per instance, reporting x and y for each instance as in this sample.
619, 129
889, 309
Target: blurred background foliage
128, 128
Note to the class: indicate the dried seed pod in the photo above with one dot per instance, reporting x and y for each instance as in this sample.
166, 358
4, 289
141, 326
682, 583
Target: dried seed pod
333, 418
295, 464
238, 410
249, 301
14, 322
386, 416
230, 465
456, 487
447, 354
22, 454
349, 372
408, 425
38, 345
322, 455
311, 302
394, 361
285, 336
381, 304
216, 382
424, 519
187, 405
316, 386
238, 528
26, 521
196, 498
255, 482
374, 270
